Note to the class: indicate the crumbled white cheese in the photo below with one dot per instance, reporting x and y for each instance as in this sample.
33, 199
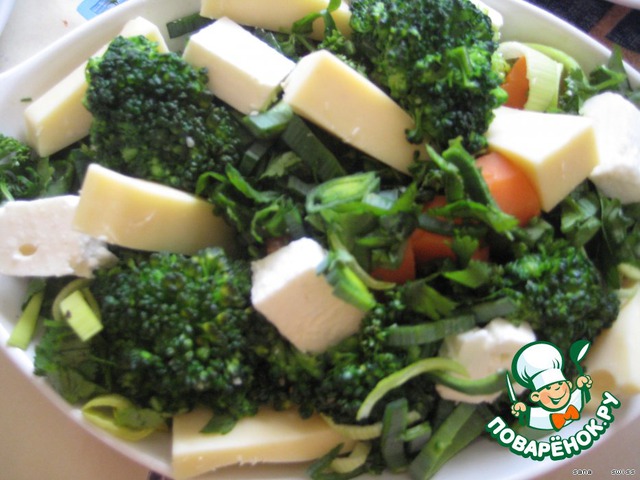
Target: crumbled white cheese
616, 122
484, 351
39, 240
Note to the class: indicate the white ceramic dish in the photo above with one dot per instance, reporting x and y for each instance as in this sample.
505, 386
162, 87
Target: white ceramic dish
627, 3
6, 7
30, 79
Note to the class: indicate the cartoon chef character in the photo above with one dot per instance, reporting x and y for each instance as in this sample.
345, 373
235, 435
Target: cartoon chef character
538, 367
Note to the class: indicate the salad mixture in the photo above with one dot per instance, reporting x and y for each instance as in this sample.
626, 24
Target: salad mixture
318, 220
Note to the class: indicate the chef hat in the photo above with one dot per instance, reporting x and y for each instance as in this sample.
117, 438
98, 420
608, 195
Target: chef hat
537, 365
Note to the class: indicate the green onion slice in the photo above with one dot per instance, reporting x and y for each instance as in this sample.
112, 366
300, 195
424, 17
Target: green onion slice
567, 61
186, 25
460, 428
354, 460
544, 75
103, 412
394, 424
408, 335
492, 383
402, 376
68, 289
364, 432
22, 333
80, 315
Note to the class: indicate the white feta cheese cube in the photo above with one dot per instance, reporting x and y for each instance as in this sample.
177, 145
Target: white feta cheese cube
290, 293
39, 240
616, 122
243, 70
484, 351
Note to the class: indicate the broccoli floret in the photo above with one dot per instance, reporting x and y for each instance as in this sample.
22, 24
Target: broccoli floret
20, 173
354, 367
435, 58
287, 376
176, 330
560, 292
25, 176
154, 117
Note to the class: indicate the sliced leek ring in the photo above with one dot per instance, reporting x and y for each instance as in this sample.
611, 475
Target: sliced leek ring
364, 432
544, 75
568, 62
101, 412
354, 460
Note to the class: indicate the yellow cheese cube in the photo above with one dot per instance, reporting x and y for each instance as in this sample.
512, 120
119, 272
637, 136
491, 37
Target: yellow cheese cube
556, 151
268, 437
58, 118
243, 71
276, 15
143, 215
328, 92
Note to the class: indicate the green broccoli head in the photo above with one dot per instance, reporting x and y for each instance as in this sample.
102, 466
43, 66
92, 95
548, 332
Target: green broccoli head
175, 331
20, 177
560, 292
25, 176
435, 58
355, 366
154, 117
